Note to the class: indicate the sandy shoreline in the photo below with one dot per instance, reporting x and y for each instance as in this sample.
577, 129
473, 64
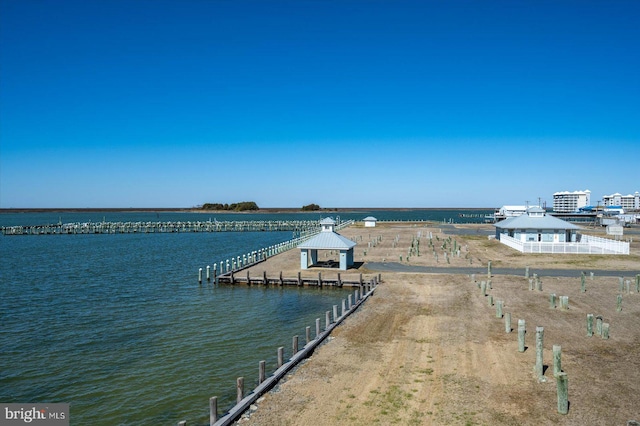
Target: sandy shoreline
429, 349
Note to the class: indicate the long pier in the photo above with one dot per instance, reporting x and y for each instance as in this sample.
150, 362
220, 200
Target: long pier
161, 227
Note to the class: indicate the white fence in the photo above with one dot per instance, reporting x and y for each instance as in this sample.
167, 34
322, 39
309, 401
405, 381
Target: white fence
588, 245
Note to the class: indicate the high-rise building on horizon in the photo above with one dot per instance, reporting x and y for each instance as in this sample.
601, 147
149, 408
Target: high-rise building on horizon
569, 202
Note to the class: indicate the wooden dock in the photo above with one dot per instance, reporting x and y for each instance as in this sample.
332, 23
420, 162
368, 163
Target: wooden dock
162, 227
237, 277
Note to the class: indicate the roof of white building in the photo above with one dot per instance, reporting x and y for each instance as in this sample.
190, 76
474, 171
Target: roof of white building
370, 219
327, 241
528, 221
327, 221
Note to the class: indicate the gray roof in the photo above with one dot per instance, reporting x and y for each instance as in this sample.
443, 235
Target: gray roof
535, 222
369, 219
327, 221
327, 241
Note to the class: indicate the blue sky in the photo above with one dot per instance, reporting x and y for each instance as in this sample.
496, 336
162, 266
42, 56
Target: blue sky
174, 103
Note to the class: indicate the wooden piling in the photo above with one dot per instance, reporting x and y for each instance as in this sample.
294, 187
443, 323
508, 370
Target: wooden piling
200, 275
589, 325
490, 300
562, 386
280, 356
599, 325
335, 312
299, 279
281, 280
295, 344
539, 350
317, 327
261, 371
319, 279
208, 273
499, 308
213, 410
552, 300
521, 335
557, 360
507, 322
619, 303
239, 389
327, 316
605, 330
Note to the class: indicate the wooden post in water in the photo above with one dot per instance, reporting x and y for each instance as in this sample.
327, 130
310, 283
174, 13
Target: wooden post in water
265, 281
248, 278
562, 385
557, 360
299, 279
295, 344
339, 280
335, 313
539, 349
317, 327
521, 335
208, 273
280, 356
589, 325
261, 372
200, 275
507, 322
319, 279
327, 316
239, 389
349, 302
307, 331
344, 308
213, 410
183, 423
233, 279
281, 281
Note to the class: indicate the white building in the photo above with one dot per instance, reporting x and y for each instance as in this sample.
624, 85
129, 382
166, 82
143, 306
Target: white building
627, 202
327, 239
538, 232
370, 222
569, 202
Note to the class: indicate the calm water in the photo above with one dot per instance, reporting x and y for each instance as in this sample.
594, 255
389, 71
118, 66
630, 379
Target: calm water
118, 326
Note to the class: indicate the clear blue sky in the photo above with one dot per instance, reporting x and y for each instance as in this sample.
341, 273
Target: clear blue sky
174, 103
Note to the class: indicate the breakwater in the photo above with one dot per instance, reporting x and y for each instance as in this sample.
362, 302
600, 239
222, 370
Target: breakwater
162, 227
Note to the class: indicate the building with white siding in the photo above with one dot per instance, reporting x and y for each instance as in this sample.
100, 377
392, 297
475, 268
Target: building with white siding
569, 202
327, 239
627, 202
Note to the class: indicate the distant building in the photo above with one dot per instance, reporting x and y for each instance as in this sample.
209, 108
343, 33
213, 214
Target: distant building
327, 239
626, 202
370, 222
569, 202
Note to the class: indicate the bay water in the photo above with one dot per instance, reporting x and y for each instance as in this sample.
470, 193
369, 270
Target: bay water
118, 326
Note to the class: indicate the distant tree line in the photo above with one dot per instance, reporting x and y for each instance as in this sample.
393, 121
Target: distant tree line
236, 207
310, 208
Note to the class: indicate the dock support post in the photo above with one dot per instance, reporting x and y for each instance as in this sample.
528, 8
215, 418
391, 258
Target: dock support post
335, 313
208, 273
200, 276
299, 279
265, 281
239, 389
261, 372
280, 356
327, 317
213, 410
307, 331
317, 327
295, 344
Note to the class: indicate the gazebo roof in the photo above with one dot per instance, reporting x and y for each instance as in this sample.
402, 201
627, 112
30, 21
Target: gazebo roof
327, 241
369, 219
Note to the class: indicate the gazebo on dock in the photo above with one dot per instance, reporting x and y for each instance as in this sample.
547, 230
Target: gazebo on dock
327, 239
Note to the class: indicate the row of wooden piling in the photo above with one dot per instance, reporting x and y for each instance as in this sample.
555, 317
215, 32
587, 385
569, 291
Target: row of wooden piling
602, 328
148, 227
332, 319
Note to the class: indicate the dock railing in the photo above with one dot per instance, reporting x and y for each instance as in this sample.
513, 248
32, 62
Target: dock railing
588, 245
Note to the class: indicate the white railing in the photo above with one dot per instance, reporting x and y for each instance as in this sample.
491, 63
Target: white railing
588, 245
